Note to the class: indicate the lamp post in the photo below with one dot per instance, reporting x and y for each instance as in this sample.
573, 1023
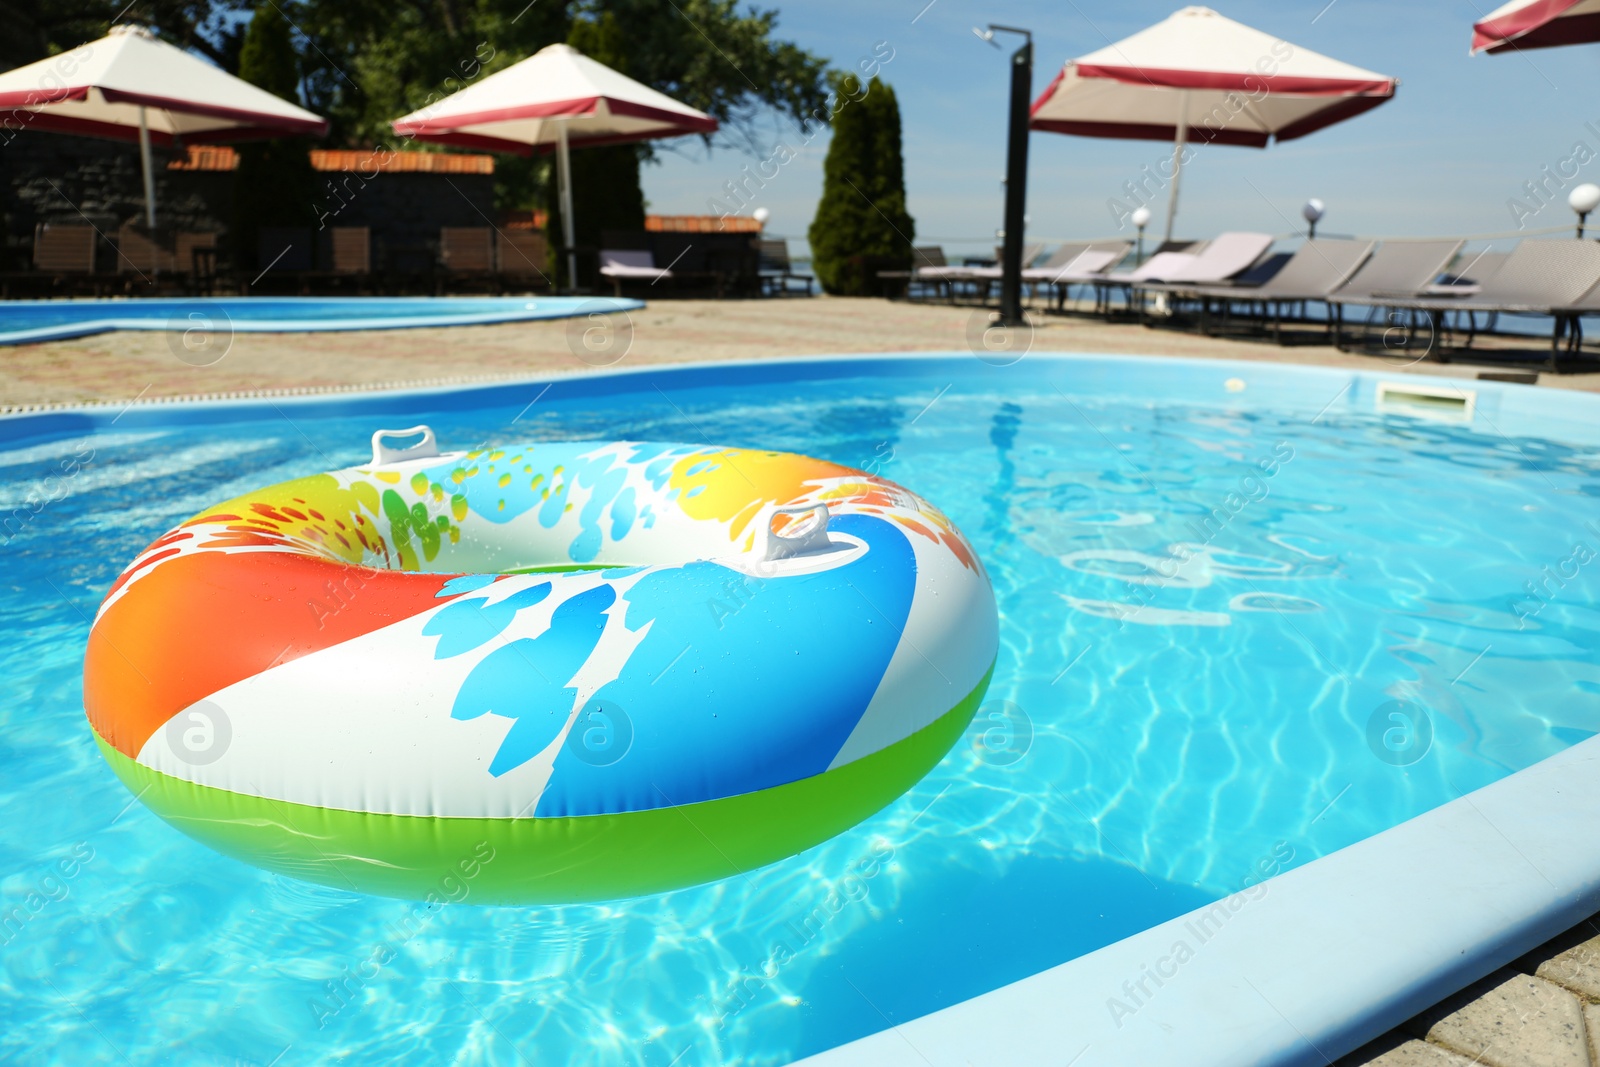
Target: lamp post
1141, 219
1312, 212
1584, 199
1016, 173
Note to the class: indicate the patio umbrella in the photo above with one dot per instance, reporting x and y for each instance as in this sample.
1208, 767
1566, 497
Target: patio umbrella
1202, 76
1537, 24
557, 98
128, 86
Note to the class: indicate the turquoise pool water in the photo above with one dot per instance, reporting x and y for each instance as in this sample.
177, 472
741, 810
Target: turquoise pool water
28, 321
1247, 618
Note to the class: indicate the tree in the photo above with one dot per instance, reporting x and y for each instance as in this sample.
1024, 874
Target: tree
39, 28
371, 61
275, 183
726, 62
861, 225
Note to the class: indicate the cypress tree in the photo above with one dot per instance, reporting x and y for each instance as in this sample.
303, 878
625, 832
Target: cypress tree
275, 184
861, 225
606, 192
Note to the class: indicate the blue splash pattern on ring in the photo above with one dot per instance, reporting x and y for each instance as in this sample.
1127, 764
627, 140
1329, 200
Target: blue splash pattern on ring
796, 709
517, 680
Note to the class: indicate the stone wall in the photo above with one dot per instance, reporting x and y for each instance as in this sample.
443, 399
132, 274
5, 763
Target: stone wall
404, 211
55, 178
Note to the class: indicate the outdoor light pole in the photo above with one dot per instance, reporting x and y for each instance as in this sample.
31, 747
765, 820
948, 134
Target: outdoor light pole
1141, 219
1016, 175
1584, 199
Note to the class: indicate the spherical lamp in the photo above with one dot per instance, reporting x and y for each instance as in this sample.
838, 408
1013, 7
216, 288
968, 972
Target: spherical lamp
1141, 219
1584, 199
1313, 212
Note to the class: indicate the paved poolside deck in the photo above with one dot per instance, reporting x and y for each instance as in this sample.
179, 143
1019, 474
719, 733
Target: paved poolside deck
118, 367
1543, 1010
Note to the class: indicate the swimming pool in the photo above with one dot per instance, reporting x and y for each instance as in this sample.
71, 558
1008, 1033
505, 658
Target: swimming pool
29, 321
1249, 617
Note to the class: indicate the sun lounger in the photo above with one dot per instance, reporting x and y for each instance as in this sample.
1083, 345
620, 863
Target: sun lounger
1059, 259
994, 272
1318, 268
1045, 273
1110, 253
1164, 265
1397, 268
1467, 277
1220, 260
1229, 255
630, 264
1537, 278
1157, 268
1085, 268
774, 270
1264, 270
466, 249
925, 263
1086, 265
63, 260
1569, 324
143, 253
63, 249
522, 257
1407, 267
351, 248
983, 278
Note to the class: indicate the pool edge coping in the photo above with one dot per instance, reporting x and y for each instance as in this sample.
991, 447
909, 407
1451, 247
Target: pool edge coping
1398, 922
424, 387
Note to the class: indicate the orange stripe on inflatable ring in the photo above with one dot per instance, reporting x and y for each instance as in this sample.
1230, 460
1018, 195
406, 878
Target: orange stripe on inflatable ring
198, 623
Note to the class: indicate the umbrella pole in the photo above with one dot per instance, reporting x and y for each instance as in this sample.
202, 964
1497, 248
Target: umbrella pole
1177, 158
564, 193
149, 173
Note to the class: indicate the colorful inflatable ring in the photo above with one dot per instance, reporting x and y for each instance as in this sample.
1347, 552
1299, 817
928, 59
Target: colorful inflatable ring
548, 672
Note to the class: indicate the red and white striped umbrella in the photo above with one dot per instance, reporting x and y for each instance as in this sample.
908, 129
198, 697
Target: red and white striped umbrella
556, 98
1202, 76
130, 86
1537, 24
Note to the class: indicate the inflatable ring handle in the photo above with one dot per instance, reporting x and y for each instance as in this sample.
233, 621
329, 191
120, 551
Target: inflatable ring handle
772, 546
382, 454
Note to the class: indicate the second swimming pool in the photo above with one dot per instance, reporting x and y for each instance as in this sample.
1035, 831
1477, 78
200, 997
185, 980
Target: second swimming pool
29, 321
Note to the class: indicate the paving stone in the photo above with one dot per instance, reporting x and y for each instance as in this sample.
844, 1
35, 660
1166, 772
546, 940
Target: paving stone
1591, 1019
1576, 966
116, 367
1511, 1020
1399, 1051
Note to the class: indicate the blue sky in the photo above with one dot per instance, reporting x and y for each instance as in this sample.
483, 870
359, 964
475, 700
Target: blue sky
1444, 157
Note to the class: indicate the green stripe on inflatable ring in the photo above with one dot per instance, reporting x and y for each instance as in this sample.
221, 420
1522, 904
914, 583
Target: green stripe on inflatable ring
545, 861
